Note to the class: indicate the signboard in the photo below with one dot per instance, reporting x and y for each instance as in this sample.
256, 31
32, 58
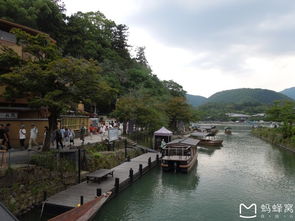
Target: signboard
113, 134
8, 115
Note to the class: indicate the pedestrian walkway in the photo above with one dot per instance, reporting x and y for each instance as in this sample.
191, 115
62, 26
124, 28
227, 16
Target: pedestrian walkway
70, 197
96, 138
17, 157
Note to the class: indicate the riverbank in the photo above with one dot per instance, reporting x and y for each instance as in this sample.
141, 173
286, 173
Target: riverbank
23, 188
274, 136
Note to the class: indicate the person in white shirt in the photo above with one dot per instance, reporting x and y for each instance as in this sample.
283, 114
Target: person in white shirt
22, 136
33, 136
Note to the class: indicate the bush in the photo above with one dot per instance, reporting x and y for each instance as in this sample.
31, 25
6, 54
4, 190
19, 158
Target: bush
50, 161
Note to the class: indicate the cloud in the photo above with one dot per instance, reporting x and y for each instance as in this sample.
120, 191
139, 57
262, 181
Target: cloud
209, 45
223, 29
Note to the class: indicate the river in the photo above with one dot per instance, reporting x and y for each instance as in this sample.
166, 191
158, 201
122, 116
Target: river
246, 170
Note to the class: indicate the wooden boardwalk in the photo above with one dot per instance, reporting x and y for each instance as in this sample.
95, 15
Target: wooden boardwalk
70, 197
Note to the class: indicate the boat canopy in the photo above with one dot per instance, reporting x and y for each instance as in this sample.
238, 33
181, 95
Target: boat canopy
163, 132
184, 142
207, 127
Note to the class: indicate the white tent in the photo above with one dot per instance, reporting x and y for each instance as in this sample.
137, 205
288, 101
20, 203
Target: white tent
163, 132
160, 134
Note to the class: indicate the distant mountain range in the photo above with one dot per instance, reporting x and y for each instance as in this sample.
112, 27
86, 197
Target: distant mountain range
195, 100
243, 95
290, 92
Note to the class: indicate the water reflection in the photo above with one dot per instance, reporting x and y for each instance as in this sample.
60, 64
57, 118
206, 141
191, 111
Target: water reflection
181, 181
283, 161
208, 151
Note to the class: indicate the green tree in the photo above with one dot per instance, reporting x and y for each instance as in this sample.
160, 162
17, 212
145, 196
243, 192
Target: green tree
178, 111
44, 15
140, 57
174, 88
283, 111
50, 81
145, 113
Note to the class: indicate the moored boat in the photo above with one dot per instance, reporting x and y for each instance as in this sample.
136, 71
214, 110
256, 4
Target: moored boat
206, 139
84, 212
227, 130
211, 130
209, 142
180, 155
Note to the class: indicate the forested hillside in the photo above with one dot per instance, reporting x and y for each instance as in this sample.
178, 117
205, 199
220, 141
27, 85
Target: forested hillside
290, 92
247, 95
195, 100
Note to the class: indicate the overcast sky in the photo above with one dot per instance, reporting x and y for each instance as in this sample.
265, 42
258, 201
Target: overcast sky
209, 45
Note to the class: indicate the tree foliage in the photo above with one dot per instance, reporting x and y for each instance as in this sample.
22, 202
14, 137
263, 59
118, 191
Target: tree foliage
283, 111
90, 63
53, 82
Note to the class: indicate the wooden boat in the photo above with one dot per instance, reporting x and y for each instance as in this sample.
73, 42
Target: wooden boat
84, 212
211, 130
209, 142
227, 130
206, 139
180, 155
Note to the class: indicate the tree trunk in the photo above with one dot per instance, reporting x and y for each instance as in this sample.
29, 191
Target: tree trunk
124, 127
52, 122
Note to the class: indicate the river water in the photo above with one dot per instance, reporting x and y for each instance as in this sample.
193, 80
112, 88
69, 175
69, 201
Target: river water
246, 170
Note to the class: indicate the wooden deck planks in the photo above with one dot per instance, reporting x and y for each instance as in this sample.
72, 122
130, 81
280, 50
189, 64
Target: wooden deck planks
71, 196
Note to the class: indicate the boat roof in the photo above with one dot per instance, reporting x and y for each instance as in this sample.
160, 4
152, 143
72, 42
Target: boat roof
207, 127
163, 132
5, 214
199, 134
184, 141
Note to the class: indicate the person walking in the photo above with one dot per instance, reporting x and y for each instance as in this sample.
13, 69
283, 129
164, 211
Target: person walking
58, 138
22, 136
71, 136
82, 134
46, 131
33, 136
2, 135
62, 131
7, 139
66, 136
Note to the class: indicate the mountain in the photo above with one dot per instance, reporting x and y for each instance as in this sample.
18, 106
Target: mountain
290, 92
195, 100
247, 95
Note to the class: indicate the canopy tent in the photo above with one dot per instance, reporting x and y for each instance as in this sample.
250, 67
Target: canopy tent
162, 134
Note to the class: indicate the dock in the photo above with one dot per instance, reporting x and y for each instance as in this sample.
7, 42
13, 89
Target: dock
121, 179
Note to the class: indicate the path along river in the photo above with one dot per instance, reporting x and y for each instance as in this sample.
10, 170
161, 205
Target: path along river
246, 170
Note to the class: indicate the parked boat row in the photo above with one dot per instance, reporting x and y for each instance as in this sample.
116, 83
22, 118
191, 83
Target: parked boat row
181, 154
